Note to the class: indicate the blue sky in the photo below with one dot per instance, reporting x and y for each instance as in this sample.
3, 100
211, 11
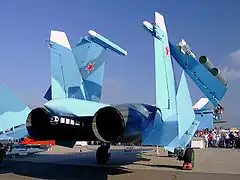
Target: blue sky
211, 28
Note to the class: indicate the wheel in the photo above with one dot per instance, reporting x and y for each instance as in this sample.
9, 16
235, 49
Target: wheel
102, 154
189, 156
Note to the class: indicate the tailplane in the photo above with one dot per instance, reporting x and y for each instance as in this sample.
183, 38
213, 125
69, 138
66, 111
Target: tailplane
201, 104
205, 117
203, 73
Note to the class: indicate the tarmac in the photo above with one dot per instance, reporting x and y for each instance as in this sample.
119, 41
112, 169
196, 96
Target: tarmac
65, 163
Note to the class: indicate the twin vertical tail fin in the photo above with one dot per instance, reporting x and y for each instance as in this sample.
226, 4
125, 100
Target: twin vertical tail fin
66, 81
79, 72
89, 53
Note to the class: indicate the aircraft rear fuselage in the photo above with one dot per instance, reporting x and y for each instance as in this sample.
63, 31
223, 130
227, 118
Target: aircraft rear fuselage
116, 123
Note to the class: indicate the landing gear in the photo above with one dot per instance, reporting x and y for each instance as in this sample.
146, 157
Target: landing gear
189, 159
102, 154
178, 152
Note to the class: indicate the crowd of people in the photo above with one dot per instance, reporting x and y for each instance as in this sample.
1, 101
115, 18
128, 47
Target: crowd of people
220, 138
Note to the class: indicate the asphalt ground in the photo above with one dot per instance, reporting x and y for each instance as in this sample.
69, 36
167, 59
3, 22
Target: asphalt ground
64, 163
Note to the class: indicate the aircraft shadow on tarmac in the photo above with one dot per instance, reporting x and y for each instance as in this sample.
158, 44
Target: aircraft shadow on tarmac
161, 166
71, 166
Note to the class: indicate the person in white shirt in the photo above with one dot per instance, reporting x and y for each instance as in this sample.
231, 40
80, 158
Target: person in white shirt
206, 139
227, 139
214, 139
218, 137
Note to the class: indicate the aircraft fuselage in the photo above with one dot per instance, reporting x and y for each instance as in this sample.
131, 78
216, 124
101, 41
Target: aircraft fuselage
72, 119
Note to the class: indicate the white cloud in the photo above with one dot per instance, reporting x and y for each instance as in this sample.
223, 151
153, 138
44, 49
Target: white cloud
232, 70
231, 73
235, 56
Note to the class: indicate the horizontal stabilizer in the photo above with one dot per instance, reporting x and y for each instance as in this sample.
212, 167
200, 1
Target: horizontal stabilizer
201, 104
185, 110
102, 41
12, 111
205, 117
210, 85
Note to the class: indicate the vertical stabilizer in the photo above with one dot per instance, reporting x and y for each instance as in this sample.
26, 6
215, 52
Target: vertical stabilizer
90, 60
66, 81
165, 84
90, 57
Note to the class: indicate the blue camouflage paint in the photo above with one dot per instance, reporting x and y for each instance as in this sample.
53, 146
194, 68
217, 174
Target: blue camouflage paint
211, 86
12, 113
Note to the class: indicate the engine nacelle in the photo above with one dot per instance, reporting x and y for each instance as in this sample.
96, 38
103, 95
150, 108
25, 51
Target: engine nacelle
122, 123
42, 125
206, 62
38, 124
216, 72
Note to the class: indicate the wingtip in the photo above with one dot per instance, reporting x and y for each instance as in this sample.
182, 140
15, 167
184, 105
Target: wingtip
60, 37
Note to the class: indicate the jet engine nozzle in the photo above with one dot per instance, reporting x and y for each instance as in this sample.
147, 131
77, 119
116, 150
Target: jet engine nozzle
108, 124
38, 124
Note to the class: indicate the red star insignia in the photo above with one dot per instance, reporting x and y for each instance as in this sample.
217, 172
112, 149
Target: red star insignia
167, 50
90, 67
